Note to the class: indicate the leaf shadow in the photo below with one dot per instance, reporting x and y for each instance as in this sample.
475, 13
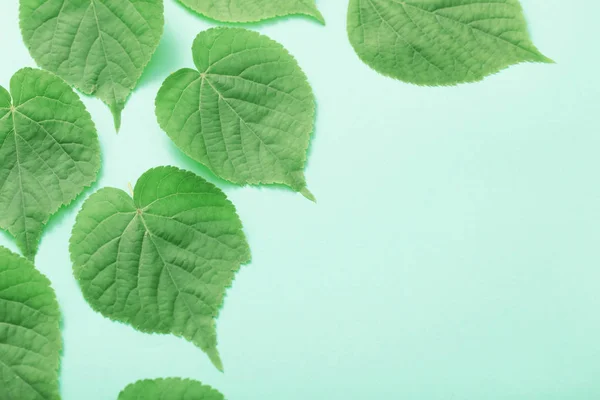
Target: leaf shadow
7, 238
165, 60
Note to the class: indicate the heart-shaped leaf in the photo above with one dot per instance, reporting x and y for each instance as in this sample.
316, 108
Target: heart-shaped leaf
49, 152
162, 260
99, 46
246, 112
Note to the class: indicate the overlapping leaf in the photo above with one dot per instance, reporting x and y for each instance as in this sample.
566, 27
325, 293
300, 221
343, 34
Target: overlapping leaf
440, 42
99, 46
49, 152
169, 389
162, 260
30, 340
246, 113
252, 10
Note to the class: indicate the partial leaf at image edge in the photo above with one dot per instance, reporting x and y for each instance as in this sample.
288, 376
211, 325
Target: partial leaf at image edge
99, 46
253, 10
246, 112
49, 153
440, 42
30, 339
162, 260
169, 389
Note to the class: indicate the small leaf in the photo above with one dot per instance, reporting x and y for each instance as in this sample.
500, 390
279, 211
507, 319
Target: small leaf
440, 42
169, 389
252, 10
49, 152
246, 113
99, 46
161, 261
30, 341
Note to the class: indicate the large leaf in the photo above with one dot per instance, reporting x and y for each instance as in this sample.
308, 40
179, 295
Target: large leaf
252, 10
169, 389
30, 340
99, 46
161, 261
49, 152
440, 42
246, 113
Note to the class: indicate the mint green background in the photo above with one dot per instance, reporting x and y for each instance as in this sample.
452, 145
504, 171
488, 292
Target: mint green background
453, 254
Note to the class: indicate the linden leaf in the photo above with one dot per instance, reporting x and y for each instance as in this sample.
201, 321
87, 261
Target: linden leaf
169, 389
440, 42
99, 46
161, 261
49, 152
30, 341
253, 10
246, 113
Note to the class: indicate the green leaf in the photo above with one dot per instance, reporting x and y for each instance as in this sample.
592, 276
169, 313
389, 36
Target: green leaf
253, 10
440, 42
49, 152
161, 261
30, 341
99, 46
246, 113
169, 389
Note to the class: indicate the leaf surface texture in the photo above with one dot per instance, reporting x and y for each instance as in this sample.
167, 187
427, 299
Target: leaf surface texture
99, 46
169, 389
246, 112
252, 10
49, 152
440, 42
161, 261
30, 341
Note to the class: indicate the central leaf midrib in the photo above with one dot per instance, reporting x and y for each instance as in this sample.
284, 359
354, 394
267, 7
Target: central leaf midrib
25, 232
403, 38
93, 2
52, 137
221, 97
167, 268
404, 4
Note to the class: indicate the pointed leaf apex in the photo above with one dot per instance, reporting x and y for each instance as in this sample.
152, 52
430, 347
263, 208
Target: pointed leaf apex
116, 111
215, 358
307, 193
318, 16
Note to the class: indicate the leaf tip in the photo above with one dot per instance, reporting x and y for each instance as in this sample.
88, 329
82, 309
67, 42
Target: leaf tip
215, 358
547, 60
319, 17
308, 194
116, 111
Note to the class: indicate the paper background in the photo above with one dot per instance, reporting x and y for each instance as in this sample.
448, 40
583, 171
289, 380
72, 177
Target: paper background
454, 252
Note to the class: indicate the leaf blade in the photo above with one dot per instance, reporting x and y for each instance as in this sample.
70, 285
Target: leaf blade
30, 339
50, 153
441, 42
